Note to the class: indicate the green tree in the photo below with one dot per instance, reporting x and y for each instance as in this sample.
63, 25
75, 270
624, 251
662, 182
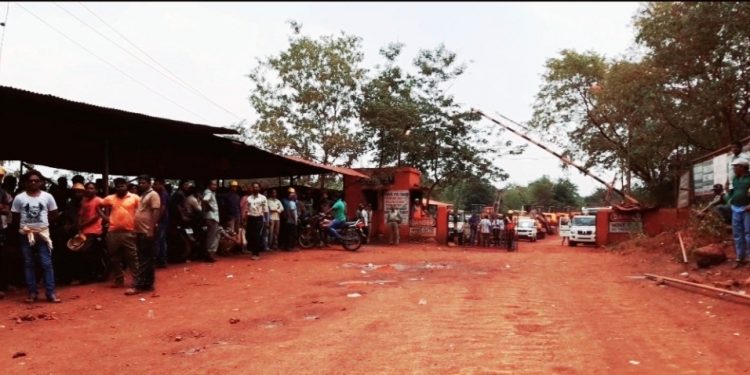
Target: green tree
389, 109
448, 145
468, 192
515, 197
701, 52
307, 98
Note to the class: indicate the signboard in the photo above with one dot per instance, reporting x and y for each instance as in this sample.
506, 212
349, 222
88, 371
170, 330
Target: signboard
399, 199
625, 227
422, 232
620, 222
683, 196
721, 169
703, 177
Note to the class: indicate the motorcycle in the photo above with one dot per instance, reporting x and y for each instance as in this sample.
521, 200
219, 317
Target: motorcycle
314, 232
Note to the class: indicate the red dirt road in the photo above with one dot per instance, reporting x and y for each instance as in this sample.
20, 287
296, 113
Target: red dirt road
422, 309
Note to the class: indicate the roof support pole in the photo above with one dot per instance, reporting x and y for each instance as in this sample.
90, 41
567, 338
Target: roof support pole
105, 175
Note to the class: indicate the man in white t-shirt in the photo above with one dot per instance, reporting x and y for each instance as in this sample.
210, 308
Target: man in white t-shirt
211, 217
254, 217
33, 209
275, 208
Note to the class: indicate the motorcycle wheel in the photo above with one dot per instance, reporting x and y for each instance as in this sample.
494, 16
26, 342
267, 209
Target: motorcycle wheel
352, 240
306, 238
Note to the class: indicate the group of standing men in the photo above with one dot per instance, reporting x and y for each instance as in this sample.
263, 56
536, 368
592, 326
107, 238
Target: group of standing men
131, 227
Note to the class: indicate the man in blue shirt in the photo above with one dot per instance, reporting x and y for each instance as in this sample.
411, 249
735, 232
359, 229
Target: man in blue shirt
740, 203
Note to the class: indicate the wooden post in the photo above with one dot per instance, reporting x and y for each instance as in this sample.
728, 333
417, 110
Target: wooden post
682, 246
105, 175
678, 281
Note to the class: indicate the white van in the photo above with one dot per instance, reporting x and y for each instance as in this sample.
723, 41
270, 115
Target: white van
526, 228
583, 230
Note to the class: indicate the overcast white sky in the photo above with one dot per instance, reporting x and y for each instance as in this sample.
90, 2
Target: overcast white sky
213, 46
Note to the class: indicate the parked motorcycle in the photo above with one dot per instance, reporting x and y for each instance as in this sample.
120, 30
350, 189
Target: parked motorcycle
313, 231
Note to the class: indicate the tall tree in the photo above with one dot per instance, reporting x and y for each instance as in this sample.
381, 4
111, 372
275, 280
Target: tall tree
389, 109
702, 53
448, 145
307, 98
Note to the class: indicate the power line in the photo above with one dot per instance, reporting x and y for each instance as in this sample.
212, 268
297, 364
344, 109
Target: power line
108, 63
4, 25
174, 77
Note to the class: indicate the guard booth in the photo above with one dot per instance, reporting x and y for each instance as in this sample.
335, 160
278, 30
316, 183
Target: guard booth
398, 187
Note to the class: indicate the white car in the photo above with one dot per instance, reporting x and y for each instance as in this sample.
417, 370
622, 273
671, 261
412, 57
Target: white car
582, 230
526, 228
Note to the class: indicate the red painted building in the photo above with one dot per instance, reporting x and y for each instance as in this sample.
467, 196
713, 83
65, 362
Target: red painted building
399, 187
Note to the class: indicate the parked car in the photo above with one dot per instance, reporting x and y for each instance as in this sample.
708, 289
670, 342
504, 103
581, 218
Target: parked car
582, 230
456, 233
526, 228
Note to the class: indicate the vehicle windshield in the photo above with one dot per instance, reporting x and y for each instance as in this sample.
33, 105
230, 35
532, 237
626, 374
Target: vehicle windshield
525, 224
584, 221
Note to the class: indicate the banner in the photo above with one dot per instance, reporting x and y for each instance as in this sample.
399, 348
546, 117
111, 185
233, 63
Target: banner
399, 199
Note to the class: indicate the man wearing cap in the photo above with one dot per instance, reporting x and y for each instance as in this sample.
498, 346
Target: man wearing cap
740, 205
736, 154
289, 219
120, 209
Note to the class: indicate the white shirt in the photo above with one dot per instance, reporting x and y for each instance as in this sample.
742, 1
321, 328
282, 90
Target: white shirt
257, 206
275, 207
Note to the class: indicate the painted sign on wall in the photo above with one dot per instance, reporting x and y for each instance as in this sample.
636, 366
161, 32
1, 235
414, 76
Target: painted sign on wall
399, 199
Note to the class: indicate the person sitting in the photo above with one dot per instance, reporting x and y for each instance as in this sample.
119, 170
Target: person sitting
719, 205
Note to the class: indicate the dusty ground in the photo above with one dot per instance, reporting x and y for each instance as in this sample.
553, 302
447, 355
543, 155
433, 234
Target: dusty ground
421, 310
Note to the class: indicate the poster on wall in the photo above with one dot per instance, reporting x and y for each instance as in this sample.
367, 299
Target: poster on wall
703, 177
721, 169
399, 199
683, 197
625, 222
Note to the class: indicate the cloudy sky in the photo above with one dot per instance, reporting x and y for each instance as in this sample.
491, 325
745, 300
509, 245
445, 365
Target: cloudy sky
211, 47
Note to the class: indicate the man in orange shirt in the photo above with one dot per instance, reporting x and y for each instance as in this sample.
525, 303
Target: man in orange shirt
120, 209
90, 225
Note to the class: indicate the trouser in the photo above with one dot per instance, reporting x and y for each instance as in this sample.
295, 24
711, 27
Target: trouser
145, 277
725, 213
212, 237
122, 247
473, 237
485, 239
88, 263
273, 234
393, 232
42, 250
741, 233
160, 244
253, 231
290, 236
332, 229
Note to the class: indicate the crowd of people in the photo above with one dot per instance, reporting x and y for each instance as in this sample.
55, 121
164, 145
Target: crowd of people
486, 230
140, 227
